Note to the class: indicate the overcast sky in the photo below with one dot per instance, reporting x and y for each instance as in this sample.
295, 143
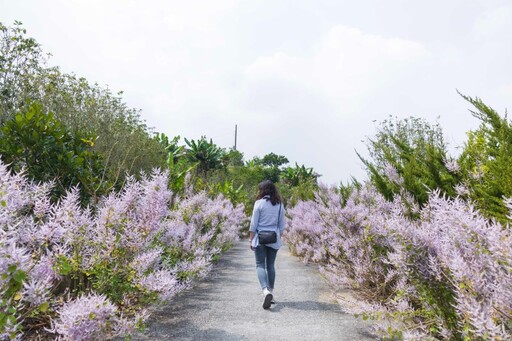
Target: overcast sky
304, 79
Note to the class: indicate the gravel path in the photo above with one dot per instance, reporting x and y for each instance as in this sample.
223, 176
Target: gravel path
228, 306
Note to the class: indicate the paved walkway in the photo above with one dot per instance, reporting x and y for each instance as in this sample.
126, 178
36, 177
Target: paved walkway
227, 306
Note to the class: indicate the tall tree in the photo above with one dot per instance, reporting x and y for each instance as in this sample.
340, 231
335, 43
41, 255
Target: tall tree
486, 161
21, 58
121, 136
410, 154
274, 160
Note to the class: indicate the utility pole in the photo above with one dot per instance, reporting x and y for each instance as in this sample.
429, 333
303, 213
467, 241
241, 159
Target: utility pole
235, 134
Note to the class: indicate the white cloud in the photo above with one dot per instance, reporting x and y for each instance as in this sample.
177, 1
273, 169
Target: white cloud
278, 65
505, 90
351, 63
494, 22
346, 62
317, 97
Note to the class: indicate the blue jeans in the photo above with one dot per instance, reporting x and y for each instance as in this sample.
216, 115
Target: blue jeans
265, 259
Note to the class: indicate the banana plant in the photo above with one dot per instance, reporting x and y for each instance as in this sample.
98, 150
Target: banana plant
206, 153
298, 174
250, 164
177, 165
174, 151
233, 193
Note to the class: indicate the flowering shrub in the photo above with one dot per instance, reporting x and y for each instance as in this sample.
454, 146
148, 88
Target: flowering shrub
87, 318
90, 272
446, 274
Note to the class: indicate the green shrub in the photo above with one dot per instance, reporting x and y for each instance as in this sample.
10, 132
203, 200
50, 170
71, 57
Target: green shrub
486, 162
48, 151
410, 155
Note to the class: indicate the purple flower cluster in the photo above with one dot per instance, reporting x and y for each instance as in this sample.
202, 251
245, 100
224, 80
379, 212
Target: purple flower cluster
445, 273
90, 317
61, 259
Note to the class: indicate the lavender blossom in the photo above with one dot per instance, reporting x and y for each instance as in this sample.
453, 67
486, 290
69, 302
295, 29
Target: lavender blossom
36, 292
146, 261
90, 317
452, 166
161, 282
392, 174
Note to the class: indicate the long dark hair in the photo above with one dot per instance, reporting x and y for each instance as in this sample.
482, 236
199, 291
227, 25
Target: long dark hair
267, 188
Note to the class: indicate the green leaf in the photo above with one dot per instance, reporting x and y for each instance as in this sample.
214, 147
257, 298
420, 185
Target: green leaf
63, 265
30, 114
20, 276
44, 307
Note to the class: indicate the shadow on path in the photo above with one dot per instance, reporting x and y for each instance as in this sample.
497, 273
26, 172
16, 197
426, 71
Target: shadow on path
306, 306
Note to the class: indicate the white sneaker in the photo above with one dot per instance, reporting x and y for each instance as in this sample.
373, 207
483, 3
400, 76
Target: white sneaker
272, 301
268, 298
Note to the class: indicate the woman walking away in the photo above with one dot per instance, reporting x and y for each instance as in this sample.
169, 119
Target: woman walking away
267, 225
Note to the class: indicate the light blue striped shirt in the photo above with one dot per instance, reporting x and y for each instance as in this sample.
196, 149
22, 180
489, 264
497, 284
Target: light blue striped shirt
264, 218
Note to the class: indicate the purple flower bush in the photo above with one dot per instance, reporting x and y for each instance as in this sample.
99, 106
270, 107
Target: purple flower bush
442, 271
90, 317
90, 273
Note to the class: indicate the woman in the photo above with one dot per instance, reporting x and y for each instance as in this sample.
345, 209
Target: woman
268, 215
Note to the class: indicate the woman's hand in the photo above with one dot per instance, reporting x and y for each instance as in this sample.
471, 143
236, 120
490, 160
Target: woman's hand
251, 238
